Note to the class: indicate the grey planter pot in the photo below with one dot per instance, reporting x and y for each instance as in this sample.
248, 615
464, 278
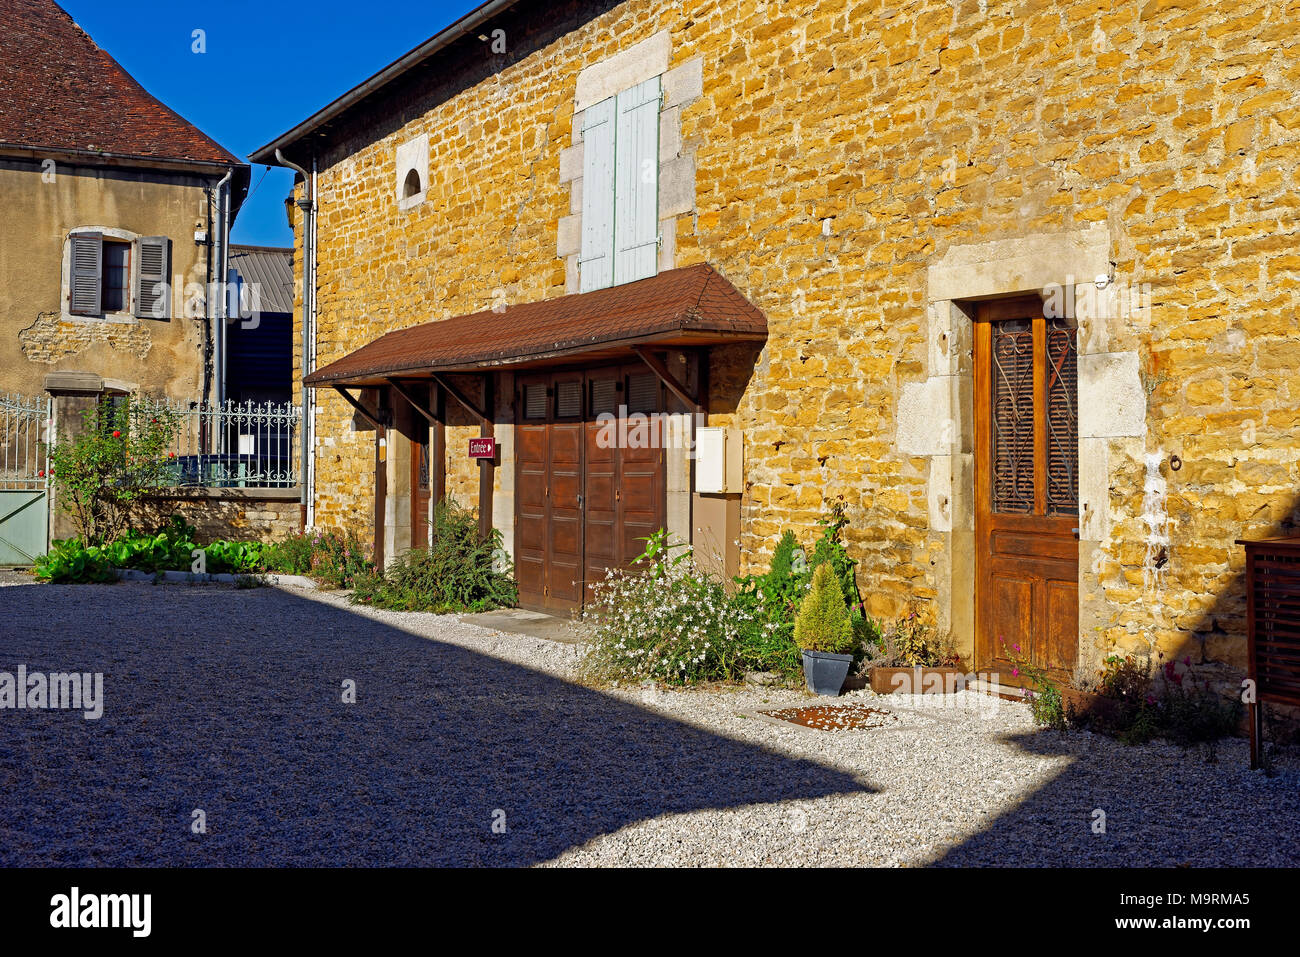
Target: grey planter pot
824, 672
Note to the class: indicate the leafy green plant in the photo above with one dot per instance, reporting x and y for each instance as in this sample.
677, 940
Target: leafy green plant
292, 556
102, 471
771, 601
460, 571
171, 548
69, 561
823, 621
332, 558
662, 620
1044, 697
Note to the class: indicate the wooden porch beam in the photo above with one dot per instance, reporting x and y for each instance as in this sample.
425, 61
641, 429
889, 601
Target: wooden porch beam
666, 377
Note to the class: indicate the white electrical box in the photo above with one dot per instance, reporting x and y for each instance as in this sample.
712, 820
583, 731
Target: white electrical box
719, 460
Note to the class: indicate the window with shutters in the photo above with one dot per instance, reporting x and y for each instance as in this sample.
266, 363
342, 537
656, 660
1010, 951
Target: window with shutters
620, 188
108, 274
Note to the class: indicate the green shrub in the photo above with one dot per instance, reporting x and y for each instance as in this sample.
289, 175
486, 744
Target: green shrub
771, 601
663, 620
102, 472
823, 621
830, 548
458, 572
291, 556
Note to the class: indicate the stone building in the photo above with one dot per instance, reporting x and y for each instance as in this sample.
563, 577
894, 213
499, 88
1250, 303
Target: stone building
1015, 280
112, 218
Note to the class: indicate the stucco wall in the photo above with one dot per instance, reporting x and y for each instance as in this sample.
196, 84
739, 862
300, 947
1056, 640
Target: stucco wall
37, 334
840, 152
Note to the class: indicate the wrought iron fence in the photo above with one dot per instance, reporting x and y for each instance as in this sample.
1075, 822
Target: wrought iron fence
235, 444
24, 433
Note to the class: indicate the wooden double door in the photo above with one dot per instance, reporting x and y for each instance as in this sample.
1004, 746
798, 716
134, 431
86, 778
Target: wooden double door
1027, 488
590, 480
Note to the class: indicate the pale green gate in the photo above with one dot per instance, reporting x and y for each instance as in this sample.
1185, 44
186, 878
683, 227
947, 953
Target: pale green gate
25, 424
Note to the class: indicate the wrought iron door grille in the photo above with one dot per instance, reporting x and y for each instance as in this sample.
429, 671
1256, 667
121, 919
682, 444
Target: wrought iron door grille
1062, 390
1013, 416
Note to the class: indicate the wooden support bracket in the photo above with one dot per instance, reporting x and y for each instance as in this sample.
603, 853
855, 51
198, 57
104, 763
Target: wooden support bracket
460, 397
666, 377
373, 416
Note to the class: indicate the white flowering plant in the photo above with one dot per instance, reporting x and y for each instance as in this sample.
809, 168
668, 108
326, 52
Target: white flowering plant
664, 620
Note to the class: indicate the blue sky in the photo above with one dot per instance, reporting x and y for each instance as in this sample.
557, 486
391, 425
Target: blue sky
268, 65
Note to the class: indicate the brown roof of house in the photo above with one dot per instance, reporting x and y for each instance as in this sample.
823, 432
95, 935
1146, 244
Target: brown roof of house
690, 306
60, 91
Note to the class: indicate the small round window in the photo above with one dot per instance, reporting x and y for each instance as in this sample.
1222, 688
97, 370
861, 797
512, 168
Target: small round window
411, 187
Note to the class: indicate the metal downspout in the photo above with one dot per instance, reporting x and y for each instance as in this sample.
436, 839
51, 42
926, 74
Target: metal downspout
308, 207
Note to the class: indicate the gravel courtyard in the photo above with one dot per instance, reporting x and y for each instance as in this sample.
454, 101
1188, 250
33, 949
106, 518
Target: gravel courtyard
230, 702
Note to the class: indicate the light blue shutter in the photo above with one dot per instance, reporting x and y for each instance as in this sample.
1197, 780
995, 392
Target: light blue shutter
596, 259
636, 184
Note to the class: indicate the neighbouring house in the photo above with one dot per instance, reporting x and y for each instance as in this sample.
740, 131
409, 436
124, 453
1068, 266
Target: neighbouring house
115, 209
259, 357
1016, 281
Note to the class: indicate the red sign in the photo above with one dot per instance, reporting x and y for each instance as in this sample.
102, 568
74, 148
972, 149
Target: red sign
483, 448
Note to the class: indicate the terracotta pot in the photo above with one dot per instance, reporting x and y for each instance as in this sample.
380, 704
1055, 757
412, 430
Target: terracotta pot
940, 680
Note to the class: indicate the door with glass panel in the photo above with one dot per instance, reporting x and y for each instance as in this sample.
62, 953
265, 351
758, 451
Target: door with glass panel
1027, 488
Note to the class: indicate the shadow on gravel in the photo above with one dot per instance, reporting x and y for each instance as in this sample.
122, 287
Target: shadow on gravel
1162, 806
230, 702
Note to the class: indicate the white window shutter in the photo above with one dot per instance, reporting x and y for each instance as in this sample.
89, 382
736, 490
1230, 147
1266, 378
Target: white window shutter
153, 294
636, 187
596, 259
86, 268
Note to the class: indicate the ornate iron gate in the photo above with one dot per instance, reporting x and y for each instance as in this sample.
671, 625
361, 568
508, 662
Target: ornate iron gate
25, 424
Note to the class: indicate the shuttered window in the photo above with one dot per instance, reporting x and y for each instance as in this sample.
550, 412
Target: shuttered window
153, 301
84, 277
99, 275
620, 188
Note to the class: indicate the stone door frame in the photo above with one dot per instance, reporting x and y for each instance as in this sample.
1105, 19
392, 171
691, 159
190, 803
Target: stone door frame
935, 419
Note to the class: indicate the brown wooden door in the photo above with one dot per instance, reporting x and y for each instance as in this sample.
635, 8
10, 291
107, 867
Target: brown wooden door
586, 494
1027, 497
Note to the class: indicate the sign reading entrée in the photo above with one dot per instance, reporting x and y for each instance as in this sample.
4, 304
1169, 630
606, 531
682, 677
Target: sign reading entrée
483, 448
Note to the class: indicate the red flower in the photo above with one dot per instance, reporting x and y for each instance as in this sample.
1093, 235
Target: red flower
117, 434
41, 474
171, 455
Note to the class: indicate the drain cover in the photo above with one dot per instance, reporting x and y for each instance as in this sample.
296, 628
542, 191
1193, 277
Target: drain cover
834, 717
